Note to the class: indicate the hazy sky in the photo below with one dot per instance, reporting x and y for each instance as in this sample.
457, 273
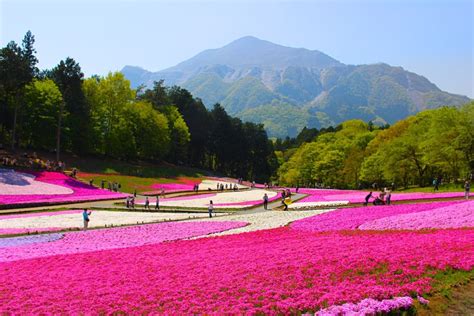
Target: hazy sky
432, 38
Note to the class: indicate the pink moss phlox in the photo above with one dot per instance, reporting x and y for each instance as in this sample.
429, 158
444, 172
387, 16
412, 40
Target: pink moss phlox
353, 196
352, 218
122, 237
277, 271
453, 215
81, 191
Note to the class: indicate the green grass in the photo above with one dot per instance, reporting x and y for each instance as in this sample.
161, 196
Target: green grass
450, 187
138, 176
130, 183
445, 285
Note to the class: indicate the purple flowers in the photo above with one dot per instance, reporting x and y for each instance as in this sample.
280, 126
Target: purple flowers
368, 306
27, 240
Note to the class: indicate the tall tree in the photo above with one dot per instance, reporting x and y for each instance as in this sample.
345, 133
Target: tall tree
68, 77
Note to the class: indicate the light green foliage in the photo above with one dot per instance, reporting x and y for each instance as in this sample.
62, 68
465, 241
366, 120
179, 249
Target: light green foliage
42, 103
124, 127
431, 144
333, 159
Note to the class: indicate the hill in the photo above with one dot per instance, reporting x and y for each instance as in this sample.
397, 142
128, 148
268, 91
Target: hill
251, 76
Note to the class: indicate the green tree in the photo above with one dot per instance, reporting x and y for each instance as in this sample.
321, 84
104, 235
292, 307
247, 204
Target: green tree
43, 100
68, 77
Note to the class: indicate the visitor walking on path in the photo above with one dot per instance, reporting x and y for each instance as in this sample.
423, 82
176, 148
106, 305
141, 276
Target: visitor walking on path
86, 219
210, 208
467, 188
147, 203
284, 204
265, 201
157, 205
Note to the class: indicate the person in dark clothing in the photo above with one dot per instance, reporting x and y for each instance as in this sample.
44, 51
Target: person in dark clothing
265, 201
367, 198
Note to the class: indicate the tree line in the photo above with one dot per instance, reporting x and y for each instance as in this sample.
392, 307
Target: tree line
433, 144
58, 109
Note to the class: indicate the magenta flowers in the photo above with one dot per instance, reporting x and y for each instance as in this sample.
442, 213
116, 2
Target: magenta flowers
77, 191
102, 239
318, 195
278, 271
352, 218
454, 215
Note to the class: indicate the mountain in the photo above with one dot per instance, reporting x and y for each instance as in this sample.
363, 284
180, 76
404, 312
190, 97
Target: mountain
289, 88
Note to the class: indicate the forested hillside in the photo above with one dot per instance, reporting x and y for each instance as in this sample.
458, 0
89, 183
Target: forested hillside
429, 145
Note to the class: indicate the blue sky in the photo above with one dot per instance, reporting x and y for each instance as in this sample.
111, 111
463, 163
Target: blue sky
432, 38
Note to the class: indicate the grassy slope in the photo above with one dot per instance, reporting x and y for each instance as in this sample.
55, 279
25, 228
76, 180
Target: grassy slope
132, 176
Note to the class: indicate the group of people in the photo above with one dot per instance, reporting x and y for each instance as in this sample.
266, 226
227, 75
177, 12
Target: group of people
384, 197
32, 162
111, 186
227, 186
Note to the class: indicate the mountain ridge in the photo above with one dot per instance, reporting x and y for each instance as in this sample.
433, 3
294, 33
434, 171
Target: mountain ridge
249, 76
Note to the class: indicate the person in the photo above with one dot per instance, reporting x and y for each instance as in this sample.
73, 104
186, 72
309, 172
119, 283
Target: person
435, 185
297, 188
132, 202
388, 196
265, 201
378, 201
85, 217
147, 203
127, 202
367, 198
467, 188
283, 194
157, 205
135, 193
210, 208
284, 204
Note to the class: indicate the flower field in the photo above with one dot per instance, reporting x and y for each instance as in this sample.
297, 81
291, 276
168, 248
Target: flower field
353, 218
64, 220
353, 196
104, 239
278, 271
455, 215
356, 261
42, 188
188, 185
230, 199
